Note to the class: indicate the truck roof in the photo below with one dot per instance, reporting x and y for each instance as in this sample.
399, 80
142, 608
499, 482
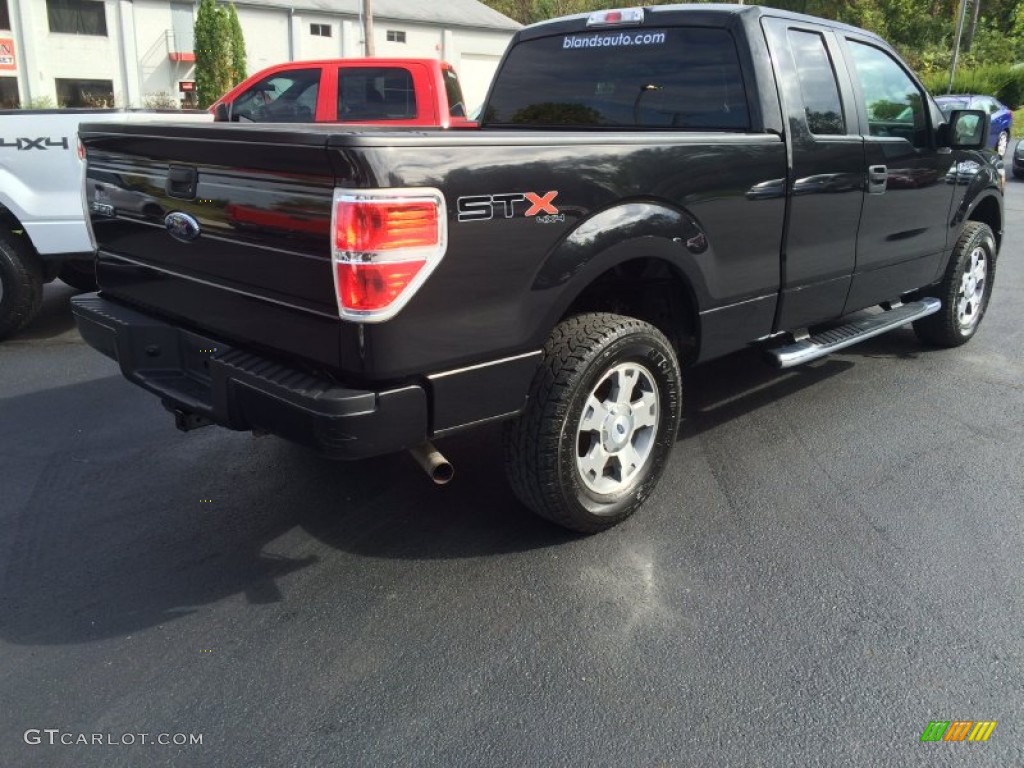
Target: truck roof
382, 61
705, 12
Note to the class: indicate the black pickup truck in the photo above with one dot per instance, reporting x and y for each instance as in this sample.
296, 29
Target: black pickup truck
650, 188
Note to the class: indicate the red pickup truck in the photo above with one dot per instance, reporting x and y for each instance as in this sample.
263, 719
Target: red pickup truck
401, 92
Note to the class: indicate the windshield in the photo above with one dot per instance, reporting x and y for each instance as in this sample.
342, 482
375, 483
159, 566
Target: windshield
677, 78
948, 104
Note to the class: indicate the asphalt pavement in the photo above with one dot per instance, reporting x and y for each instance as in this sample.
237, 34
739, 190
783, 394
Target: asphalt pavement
832, 561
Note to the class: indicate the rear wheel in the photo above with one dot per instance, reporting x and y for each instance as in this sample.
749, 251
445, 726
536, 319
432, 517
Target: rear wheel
601, 419
21, 284
965, 290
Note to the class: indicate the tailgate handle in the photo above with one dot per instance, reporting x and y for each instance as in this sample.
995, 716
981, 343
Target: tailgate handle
181, 182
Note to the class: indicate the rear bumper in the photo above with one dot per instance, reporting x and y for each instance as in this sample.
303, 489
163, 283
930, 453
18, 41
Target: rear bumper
203, 380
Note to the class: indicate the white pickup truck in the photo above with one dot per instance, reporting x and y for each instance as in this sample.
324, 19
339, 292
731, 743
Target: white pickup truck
43, 233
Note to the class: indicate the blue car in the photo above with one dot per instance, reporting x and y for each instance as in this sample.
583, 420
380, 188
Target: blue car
1000, 114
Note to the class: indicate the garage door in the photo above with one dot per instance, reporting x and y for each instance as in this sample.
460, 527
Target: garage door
475, 73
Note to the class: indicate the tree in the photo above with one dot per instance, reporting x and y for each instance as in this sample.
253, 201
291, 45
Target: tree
921, 30
238, 66
219, 49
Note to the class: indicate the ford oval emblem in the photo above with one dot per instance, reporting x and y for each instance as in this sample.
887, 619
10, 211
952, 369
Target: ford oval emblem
182, 226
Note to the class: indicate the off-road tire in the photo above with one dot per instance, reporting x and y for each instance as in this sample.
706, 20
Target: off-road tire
79, 273
21, 284
541, 445
943, 329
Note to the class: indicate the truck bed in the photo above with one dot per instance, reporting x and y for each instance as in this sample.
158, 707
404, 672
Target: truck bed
260, 273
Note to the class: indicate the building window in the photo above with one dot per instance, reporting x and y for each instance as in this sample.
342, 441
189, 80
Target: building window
396, 36
5, 15
97, 94
77, 17
183, 26
9, 93
320, 30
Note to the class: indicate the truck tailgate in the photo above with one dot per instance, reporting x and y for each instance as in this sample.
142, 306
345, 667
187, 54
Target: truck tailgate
201, 224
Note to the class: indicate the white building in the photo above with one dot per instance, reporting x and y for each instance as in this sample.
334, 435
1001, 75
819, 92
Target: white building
138, 52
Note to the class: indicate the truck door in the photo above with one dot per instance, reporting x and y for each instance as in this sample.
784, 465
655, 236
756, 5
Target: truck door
910, 182
826, 172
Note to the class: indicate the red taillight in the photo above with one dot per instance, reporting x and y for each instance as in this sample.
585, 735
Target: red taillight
385, 243
372, 287
383, 226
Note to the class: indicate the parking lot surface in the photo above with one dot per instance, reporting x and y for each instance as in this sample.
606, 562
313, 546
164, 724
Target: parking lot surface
832, 561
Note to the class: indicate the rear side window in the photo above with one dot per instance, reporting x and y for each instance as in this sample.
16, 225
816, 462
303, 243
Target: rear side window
677, 78
817, 83
375, 93
456, 104
947, 105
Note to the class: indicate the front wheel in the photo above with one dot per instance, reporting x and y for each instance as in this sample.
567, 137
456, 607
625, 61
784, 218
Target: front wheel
600, 422
964, 291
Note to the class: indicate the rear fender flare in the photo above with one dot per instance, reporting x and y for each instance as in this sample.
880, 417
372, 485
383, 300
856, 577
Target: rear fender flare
616, 235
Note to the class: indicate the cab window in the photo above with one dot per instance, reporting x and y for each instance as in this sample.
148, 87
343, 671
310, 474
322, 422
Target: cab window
818, 86
376, 93
284, 97
679, 78
895, 105
456, 104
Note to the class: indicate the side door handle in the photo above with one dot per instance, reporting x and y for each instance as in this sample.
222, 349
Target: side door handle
878, 177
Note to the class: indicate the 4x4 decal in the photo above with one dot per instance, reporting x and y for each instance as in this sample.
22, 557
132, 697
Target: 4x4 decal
43, 142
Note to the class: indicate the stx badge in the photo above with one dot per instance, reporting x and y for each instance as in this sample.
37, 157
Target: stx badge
486, 207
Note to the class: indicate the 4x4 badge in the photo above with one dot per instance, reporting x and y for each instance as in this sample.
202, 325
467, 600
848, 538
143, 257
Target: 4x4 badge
181, 226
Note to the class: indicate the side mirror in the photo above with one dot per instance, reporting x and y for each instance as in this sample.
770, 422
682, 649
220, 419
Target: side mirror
966, 129
222, 113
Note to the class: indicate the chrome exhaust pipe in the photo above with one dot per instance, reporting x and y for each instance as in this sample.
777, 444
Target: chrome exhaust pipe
437, 467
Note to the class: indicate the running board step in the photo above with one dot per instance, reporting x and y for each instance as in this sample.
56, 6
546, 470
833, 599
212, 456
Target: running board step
834, 339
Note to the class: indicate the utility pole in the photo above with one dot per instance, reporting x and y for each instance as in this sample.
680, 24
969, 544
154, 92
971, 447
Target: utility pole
956, 45
972, 28
368, 27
